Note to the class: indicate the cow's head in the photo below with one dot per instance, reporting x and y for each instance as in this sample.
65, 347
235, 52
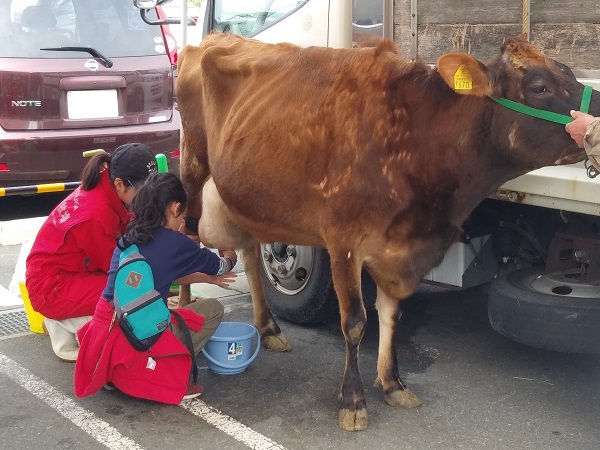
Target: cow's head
523, 74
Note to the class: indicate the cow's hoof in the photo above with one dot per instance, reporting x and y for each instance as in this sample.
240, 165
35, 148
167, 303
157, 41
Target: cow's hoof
353, 420
402, 398
276, 343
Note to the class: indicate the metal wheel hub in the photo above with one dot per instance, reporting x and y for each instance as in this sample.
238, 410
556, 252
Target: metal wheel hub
288, 267
564, 284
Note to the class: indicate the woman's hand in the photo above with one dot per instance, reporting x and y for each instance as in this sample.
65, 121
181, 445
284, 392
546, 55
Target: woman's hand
578, 127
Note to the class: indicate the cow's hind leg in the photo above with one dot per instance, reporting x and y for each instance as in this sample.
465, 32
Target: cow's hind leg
346, 270
271, 336
395, 392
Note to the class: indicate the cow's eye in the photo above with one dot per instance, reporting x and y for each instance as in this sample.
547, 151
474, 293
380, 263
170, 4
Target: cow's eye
538, 88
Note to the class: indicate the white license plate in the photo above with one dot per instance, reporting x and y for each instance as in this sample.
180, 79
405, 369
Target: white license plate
96, 104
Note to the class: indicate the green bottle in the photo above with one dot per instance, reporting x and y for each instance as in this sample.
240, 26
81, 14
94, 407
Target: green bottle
161, 163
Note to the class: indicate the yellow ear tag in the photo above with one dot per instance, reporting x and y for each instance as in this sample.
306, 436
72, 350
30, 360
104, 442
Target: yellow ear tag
462, 79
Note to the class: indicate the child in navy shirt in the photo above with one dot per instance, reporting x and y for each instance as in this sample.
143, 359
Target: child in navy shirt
158, 214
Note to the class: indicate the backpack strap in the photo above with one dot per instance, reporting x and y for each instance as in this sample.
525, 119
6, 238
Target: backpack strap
188, 343
122, 243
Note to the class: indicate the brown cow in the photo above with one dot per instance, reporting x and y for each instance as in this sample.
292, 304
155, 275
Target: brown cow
381, 158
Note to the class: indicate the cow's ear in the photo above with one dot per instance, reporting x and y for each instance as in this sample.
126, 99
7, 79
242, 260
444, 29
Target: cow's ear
465, 74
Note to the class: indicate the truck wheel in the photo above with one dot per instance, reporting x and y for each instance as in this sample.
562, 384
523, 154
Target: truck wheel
550, 311
297, 282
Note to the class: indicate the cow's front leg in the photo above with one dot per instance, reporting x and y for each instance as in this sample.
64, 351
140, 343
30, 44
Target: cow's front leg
346, 270
395, 392
271, 336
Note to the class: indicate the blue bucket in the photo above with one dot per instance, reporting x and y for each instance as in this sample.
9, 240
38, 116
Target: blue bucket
228, 349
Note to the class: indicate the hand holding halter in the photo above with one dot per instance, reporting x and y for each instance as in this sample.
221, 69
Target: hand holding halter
592, 172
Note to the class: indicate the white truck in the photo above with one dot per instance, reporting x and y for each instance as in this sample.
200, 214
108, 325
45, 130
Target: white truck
535, 243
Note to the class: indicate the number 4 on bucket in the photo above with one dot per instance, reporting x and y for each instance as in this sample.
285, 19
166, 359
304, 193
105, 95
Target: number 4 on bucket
234, 349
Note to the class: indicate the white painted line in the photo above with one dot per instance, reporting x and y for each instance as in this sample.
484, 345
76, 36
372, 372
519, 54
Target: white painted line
230, 426
86, 420
7, 298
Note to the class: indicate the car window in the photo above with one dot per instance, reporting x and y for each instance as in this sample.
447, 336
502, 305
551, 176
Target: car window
367, 20
112, 27
248, 17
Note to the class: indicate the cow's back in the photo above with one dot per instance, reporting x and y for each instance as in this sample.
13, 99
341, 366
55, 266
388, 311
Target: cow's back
313, 118
214, 74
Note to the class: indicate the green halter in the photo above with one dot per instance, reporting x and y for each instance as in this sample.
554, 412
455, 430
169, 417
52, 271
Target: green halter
547, 115
554, 117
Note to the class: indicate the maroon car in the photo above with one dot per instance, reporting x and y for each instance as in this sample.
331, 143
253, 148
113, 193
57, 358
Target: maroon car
80, 75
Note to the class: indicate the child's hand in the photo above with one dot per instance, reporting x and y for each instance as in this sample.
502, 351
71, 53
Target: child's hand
222, 280
192, 236
229, 255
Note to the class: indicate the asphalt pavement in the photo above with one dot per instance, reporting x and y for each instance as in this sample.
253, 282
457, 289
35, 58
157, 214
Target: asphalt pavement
479, 390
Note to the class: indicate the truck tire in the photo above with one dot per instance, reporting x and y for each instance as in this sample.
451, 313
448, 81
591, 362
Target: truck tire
549, 311
297, 282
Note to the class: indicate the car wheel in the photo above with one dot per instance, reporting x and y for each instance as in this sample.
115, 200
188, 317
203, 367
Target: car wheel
297, 282
551, 311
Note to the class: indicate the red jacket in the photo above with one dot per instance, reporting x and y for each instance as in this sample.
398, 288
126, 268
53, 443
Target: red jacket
105, 355
78, 237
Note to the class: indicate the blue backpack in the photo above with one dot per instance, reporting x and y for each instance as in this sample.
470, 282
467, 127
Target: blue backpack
142, 313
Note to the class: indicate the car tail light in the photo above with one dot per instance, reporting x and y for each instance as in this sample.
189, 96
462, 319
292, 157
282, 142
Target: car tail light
4, 167
169, 39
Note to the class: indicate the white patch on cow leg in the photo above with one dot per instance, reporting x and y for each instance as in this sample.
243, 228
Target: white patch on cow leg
272, 337
386, 309
395, 393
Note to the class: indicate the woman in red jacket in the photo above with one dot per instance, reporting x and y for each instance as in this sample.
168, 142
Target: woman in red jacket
67, 267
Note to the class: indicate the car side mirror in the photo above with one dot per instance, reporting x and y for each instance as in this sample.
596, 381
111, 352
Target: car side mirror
146, 5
